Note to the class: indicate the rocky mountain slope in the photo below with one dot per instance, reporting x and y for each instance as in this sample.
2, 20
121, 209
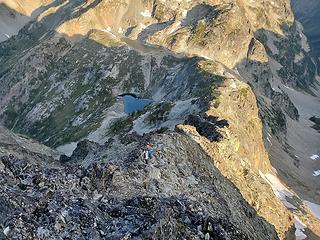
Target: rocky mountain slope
116, 195
215, 67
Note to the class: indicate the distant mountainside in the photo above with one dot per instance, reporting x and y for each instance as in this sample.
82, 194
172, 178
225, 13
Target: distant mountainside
308, 13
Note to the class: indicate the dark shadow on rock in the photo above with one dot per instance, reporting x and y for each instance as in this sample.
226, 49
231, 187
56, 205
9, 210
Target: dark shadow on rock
66, 13
42, 9
82, 150
203, 12
219, 229
152, 29
129, 94
207, 126
316, 121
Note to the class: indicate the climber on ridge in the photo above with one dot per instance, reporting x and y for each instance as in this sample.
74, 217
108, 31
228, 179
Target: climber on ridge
148, 152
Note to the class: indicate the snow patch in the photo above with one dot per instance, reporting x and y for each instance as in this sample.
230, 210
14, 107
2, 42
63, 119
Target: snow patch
146, 69
184, 13
6, 35
78, 121
279, 189
206, 57
300, 226
314, 208
269, 140
120, 31
6, 231
304, 43
288, 88
316, 173
298, 57
174, 27
233, 85
142, 26
146, 13
108, 30
274, 170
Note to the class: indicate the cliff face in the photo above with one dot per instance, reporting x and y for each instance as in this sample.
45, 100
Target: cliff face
240, 155
219, 67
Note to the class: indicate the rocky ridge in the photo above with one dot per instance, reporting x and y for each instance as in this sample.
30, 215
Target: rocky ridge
116, 195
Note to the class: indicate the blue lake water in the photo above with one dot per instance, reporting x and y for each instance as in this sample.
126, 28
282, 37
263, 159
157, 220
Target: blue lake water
132, 104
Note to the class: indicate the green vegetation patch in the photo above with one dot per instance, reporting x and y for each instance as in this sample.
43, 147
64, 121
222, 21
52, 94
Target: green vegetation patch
124, 124
199, 33
160, 114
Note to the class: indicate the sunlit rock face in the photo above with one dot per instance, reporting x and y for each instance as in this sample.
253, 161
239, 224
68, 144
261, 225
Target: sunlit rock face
308, 13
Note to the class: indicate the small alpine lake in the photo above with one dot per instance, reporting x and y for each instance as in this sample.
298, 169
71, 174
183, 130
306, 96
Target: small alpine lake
133, 103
